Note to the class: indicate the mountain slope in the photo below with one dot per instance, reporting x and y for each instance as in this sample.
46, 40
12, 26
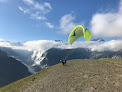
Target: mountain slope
54, 55
11, 70
38, 60
116, 55
78, 76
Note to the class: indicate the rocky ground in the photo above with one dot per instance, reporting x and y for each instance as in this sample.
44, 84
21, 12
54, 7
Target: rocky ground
79, 76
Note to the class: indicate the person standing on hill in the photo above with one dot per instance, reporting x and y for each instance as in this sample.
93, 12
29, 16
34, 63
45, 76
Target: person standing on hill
63, 61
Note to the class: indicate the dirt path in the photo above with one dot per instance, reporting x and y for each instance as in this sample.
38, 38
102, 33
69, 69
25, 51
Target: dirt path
80, 76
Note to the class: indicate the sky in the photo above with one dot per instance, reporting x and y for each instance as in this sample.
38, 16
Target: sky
31, 20
30, 27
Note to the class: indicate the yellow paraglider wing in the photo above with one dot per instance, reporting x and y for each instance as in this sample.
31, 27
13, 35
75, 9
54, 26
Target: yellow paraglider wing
87, 35
77, 32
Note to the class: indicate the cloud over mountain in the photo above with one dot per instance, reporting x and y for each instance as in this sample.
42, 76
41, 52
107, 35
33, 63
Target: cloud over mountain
43, 45
31, 53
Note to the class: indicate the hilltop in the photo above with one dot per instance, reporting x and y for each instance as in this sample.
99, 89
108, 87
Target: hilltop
79, 75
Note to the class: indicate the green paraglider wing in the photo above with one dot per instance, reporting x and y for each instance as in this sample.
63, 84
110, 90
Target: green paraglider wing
77, 32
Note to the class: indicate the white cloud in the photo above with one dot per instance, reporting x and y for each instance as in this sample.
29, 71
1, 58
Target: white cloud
67, 23
24, 10
49, 25
113, 45
4, 44
44, 8
35, 9
1, 39
38, 16
43, 45
29, 2
107, 24
48, 5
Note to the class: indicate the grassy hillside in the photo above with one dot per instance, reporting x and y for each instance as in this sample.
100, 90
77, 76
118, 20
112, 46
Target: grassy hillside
79, 75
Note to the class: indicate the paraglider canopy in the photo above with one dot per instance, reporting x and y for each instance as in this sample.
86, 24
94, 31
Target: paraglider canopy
77, 32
